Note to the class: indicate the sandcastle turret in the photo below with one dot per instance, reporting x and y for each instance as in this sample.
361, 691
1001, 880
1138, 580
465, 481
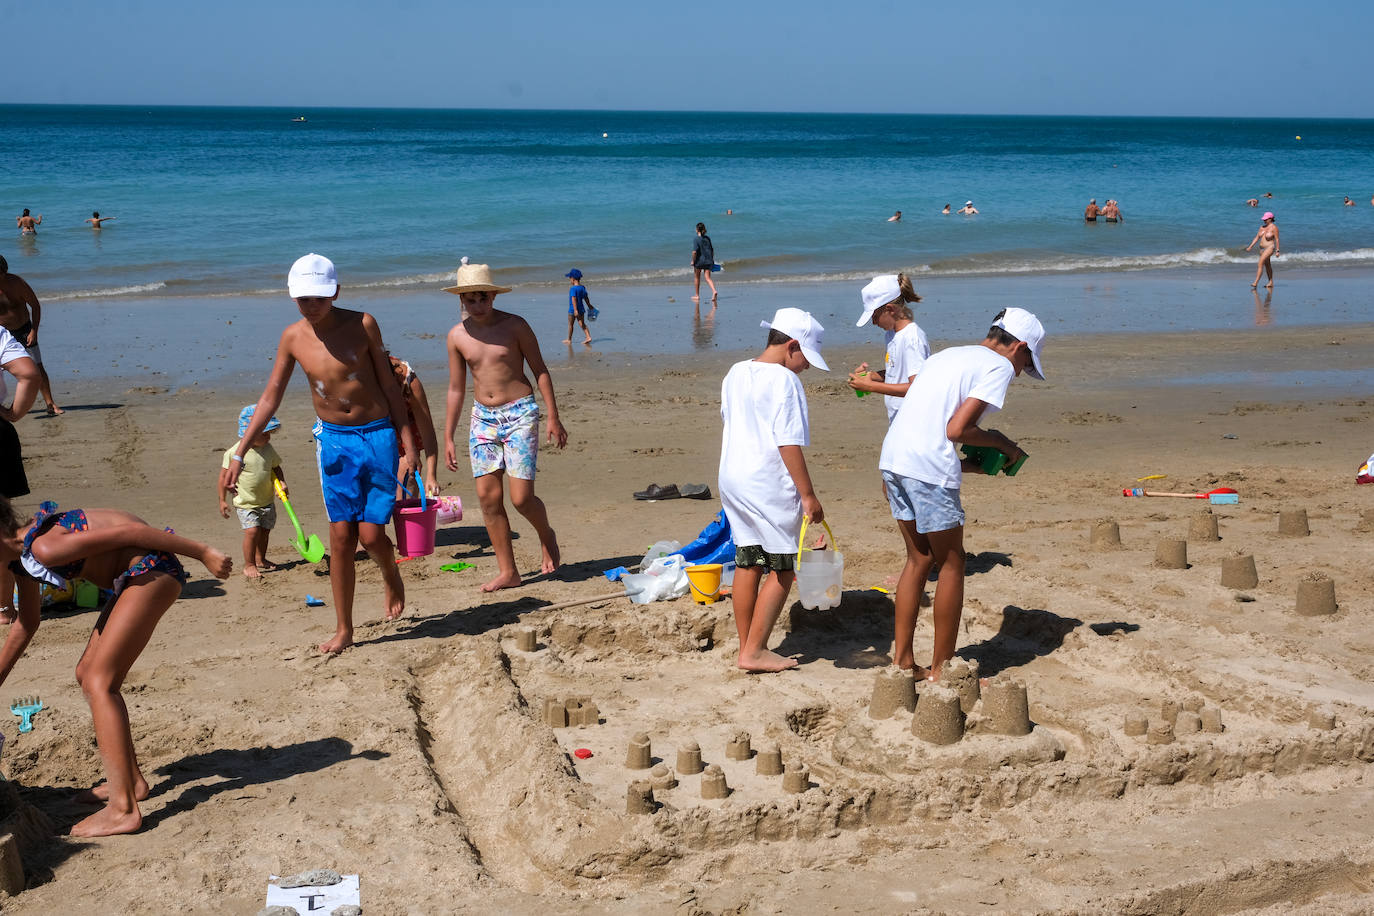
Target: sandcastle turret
939, 716
893, 689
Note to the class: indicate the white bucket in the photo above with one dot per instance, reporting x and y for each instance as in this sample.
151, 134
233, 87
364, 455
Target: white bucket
820, 579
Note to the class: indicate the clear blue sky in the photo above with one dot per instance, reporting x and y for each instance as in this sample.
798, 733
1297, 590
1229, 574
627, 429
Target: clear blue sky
962, 56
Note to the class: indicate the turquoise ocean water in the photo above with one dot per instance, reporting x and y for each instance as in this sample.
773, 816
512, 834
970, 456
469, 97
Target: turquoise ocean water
216, 202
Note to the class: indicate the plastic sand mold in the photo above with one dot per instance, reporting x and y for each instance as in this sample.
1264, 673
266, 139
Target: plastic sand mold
456, 567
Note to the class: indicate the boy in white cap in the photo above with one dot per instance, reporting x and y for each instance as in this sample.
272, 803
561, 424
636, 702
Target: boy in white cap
765, 486
923, 473
503, 438
255, 500
360, 413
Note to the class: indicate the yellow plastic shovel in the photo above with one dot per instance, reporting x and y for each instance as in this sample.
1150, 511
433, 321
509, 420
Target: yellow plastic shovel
308, 547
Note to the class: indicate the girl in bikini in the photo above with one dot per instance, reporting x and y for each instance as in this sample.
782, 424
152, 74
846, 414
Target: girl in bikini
117, 551
1268, 237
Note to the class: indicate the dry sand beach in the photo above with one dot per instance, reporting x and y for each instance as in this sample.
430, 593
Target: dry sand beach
420, 759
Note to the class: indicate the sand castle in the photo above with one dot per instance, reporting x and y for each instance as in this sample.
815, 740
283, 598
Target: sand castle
893, 689
1316, 595
1239, 571
1171, 553
1203, 526
769, 761
1293, 523
1105, 534
689, 759
639, 756
796, 778
939, 717
713, 782
575, 711
526, 640
639, 798
738, 747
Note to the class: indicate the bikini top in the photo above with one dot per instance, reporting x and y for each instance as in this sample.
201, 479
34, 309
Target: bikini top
46, 519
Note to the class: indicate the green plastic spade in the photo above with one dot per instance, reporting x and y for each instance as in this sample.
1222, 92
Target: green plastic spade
308, 547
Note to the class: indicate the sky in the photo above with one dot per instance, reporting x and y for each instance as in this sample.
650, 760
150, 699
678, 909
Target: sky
1199, 58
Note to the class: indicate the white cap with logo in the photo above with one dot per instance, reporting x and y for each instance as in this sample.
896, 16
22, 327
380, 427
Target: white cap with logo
802, 328
1025, 327
312, 277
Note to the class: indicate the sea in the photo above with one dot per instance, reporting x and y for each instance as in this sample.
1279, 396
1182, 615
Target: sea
213, 204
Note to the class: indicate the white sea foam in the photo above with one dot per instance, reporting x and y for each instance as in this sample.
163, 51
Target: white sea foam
107, 293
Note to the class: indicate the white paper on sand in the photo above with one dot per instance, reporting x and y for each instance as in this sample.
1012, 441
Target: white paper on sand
315, 899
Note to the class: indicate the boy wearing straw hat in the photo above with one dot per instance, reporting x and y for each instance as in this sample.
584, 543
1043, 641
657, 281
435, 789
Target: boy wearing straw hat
503, 438
360, 413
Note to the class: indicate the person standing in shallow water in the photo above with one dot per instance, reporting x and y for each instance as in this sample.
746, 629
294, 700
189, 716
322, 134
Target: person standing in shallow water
703, 259
1268, 237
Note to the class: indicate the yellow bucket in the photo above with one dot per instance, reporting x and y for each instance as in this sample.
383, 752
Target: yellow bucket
704, 581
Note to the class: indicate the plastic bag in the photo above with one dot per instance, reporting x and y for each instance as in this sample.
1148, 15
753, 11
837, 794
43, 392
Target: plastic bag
662, 580
659, 549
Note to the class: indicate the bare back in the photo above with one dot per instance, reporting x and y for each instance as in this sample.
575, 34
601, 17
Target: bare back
15, 298
496, 353
340, 356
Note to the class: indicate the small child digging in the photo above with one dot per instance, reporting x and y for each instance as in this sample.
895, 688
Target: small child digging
255, 500
764, 483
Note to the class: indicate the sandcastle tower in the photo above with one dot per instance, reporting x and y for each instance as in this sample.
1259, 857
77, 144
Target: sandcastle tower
1136, 725
639, 798
737, 748
1105, 534
1168, 711
962, 677
1161, 732
769, 761
1006, 707
662, 777
713, 782
893, 689
1239, 571
1188, 723
797, 778
555, 714
939, 716
1211, 720
582, 712
1203, 526
1171, 553
525, 640
1321, 720
1293, 523
689, 759
639, 755
1316, 595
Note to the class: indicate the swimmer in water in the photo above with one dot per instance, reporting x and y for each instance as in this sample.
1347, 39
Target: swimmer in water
28, 225
96, 219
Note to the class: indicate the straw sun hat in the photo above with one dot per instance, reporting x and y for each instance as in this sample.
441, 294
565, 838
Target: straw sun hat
474, 278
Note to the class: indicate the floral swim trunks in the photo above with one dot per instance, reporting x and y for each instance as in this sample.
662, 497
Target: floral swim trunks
505, 437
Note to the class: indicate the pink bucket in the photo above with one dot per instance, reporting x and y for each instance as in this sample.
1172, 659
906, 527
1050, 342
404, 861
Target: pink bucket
414, 527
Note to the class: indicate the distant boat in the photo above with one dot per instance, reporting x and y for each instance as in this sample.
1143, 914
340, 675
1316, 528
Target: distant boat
299, 119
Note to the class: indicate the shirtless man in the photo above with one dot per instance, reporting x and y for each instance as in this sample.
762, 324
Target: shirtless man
28, 225
96, 219
1349, 202
504, 434
20, 314
1252, 202
968, 209
1112, 213
896, 217
1090, 211
361, 413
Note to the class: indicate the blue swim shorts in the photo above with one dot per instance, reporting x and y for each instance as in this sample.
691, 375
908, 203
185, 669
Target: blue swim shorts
357, 470
931, 507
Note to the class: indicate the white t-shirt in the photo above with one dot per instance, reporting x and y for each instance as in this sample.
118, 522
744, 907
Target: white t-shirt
907, 350
10, 349
916, 445
762, 406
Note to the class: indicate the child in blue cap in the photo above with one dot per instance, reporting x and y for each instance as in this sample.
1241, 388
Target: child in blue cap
579, 305
254, 500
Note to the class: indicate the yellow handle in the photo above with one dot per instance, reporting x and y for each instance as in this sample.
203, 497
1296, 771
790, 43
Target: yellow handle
801, 538
276, 485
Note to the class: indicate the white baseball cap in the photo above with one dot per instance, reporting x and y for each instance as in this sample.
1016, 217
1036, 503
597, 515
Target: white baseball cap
312, 276
802, 328
877, 294
1025, 327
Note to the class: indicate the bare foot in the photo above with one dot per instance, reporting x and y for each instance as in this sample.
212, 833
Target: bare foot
108, 822
505, 580
8, 615
55, 411
587, 341
569, 340
1253, 285
251, 572
100, 794
1268, 286
696, 297
395, 601
342, 640
552, 556
268, 566
765, 661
